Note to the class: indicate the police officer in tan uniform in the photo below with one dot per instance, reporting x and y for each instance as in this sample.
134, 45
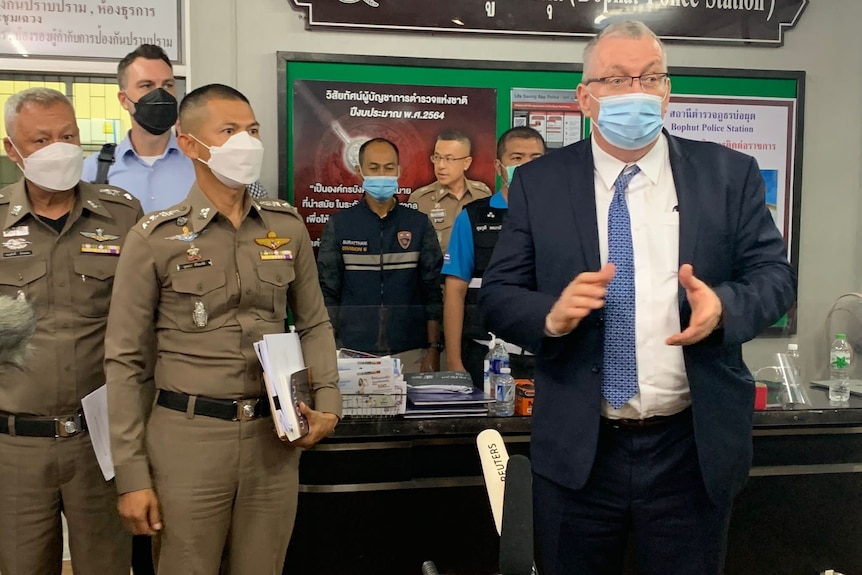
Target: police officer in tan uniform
61, 242
211, 276
443, 199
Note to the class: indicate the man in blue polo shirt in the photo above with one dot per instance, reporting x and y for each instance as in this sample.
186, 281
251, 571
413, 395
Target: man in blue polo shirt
474, 236
148, 163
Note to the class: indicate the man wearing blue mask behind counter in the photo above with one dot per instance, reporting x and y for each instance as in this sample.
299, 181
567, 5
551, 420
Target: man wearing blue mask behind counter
635, 264
379, 266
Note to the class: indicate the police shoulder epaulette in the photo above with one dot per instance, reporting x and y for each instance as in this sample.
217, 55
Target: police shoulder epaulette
114, 194
5, 196
153, 220
277, 206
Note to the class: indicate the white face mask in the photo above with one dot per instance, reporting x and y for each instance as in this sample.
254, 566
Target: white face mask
237, 162
55, 168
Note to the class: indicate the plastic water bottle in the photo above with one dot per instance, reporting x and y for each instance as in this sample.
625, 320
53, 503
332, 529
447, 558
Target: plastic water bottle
793, 355
486, 367
505, 393
840, 364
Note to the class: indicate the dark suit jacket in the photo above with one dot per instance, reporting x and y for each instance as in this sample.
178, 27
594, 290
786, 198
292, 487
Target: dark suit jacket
550, 236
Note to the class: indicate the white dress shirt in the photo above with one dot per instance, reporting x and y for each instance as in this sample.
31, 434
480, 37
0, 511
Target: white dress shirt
652, 202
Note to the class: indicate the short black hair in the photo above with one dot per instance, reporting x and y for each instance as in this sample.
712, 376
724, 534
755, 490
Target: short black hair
453, 135
146, 51
376, 141
518, 133
200, 96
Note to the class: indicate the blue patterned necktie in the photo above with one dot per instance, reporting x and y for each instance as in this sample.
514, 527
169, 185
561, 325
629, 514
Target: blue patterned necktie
620, 369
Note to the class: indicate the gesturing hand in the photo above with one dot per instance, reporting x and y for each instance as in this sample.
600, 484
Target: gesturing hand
705, 309
584, 294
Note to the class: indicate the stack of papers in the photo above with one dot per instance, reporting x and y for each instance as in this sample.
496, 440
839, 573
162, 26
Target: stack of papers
445, 394
287, 382
370, 386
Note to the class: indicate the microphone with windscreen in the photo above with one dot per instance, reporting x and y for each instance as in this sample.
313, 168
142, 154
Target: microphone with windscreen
17, 324
516, 535
429, 568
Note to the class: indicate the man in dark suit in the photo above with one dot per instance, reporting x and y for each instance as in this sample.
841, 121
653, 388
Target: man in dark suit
635, 264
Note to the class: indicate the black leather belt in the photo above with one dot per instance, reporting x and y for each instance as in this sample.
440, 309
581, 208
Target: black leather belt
229, 409
637, 424
43, 426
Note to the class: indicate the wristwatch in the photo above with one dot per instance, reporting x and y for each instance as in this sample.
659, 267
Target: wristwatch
436, 345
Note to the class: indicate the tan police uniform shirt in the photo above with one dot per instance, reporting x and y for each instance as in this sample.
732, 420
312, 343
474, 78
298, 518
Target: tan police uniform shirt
67, 278
442, 206
210, 291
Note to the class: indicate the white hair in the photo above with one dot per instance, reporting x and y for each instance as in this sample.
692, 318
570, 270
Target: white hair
632, 29
44, 97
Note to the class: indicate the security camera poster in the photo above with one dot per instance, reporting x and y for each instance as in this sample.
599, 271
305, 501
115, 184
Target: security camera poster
331, 120
553, 113
760, 127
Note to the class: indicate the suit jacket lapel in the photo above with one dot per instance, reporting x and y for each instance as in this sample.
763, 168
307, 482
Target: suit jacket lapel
685, 182
583, 200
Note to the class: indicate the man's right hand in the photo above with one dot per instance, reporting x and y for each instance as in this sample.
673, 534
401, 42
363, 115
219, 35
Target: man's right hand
140, 512
584, 294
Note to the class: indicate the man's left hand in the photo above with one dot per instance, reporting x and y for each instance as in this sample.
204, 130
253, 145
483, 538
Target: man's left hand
320, 425
705, 309
431, 361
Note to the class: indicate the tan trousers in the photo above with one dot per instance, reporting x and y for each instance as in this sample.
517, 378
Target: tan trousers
42, 477
228, 493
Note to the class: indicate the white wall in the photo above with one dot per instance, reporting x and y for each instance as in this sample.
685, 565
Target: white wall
235, 42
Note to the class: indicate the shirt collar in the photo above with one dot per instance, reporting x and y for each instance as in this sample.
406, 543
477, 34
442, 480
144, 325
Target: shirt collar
202, 211
125, 146
86, 198
498, 201
609, 167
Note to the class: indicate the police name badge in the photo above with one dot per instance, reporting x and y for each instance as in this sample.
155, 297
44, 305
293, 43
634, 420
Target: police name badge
438, 215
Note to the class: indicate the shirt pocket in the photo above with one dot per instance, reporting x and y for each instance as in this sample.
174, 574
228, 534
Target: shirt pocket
275, 278
27, 277
93, 281
668, 232
197, 300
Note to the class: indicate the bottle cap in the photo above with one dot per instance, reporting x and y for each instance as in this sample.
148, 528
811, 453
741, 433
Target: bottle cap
505, 370
840, 336
792, 347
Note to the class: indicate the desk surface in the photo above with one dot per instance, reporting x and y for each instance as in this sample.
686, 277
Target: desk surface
820, 413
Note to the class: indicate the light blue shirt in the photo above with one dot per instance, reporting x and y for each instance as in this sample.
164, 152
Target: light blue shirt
460, 257
166, 183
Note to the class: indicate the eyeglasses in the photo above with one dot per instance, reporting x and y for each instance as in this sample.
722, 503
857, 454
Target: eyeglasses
448, 160
648, 82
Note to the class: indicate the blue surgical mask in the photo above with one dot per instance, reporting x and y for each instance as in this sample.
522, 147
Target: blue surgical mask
510, 173
630, 121
381, 188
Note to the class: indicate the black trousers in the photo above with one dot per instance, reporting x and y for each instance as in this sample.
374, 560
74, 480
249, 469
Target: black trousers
645, 483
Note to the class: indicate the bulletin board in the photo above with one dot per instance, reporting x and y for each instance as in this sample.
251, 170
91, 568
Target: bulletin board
328, 105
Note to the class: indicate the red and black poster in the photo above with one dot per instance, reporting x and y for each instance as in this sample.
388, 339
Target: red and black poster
331, 120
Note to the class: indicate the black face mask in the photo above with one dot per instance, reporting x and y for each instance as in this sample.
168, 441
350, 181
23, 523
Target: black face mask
156, 112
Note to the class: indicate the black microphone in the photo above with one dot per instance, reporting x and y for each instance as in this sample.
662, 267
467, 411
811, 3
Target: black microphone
516, 535
17, 324
428, 568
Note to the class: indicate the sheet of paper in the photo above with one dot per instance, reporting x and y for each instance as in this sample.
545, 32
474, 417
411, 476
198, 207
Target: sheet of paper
96, 412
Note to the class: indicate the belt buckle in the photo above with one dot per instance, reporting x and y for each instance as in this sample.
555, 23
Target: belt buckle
245, 409
67, 426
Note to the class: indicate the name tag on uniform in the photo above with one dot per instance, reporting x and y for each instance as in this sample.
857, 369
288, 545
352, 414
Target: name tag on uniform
276, 255
193, 265
438, 215
103, 249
